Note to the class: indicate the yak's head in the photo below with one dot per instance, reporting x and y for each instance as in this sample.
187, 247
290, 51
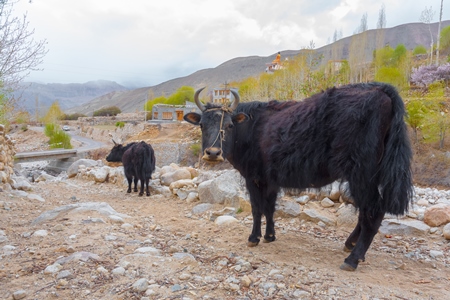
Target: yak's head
217, 125
116, 153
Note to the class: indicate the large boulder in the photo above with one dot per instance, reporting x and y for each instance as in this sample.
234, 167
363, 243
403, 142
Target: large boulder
72, 171
437, 215
225, 189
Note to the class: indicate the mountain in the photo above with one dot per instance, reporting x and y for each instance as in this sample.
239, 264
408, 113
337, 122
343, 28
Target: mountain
410, 35
33, 95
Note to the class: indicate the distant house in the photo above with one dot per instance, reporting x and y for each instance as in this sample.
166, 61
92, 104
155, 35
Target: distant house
171, 113
221, 96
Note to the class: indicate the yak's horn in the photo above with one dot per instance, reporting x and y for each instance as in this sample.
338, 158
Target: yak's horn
197, 101
114, 141
236, 100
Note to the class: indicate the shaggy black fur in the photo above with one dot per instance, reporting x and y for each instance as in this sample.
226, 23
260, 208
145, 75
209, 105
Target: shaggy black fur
355, 133
138, 161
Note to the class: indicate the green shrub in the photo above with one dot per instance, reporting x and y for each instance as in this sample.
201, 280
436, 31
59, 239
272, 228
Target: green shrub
107, 111
196, 148
120, 124
58, 138
73, 117
420, 49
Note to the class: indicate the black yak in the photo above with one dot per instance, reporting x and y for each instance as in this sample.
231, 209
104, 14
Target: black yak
138, 161
354, 133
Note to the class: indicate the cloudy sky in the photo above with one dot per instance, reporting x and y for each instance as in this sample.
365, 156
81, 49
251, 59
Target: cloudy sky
146, 42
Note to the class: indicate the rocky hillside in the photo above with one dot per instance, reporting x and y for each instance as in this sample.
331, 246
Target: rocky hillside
410, 35
36, 96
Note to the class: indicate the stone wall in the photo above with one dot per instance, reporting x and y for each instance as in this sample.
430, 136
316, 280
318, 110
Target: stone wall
6, 157
103, 120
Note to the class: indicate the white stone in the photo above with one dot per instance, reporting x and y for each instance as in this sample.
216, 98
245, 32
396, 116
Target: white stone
40, 233
35, 197
52, 269
446, 231
141, 285
116, 219
148, 250
224, 220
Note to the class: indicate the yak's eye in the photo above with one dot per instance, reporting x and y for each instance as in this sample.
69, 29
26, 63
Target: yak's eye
230, 126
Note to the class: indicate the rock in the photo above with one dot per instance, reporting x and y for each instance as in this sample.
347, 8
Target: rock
21, 183
116, 219
314, 216
40, 233
35, 197
101, 207
20, 294
347, 216
52, 269
303, 199
176, 288
100, 175
77, 256
148, 250
287, 209
201, 208
141, 285
64, 274
446, 231
181, 184
168, 178
403, 227
192, 197
225, 189
185, 276
225, 220
335, 192
72, 171
120, 271
436, 254
246, 281
437, 215
327, 202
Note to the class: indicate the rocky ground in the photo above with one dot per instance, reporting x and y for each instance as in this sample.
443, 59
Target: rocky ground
70, 238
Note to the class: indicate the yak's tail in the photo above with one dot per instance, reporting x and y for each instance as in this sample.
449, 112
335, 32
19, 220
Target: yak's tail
149, 162
395, 181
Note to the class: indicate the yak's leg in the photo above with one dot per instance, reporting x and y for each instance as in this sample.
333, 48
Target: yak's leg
268, 210
141, 191
146, 185
369, 224
256, 202
353, 237
135, 184
129, 179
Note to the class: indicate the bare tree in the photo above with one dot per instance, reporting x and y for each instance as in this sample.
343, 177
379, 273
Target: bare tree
439, 34
20, 53
363, 25
426, 17
381, 18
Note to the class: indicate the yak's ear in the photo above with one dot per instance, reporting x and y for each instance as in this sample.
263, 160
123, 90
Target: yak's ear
240, 118
193, 118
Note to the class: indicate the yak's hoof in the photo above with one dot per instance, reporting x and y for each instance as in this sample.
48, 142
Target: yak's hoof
269, 238
128, 191
346, 267
148, 194
347, 249
252, 244
141, 194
